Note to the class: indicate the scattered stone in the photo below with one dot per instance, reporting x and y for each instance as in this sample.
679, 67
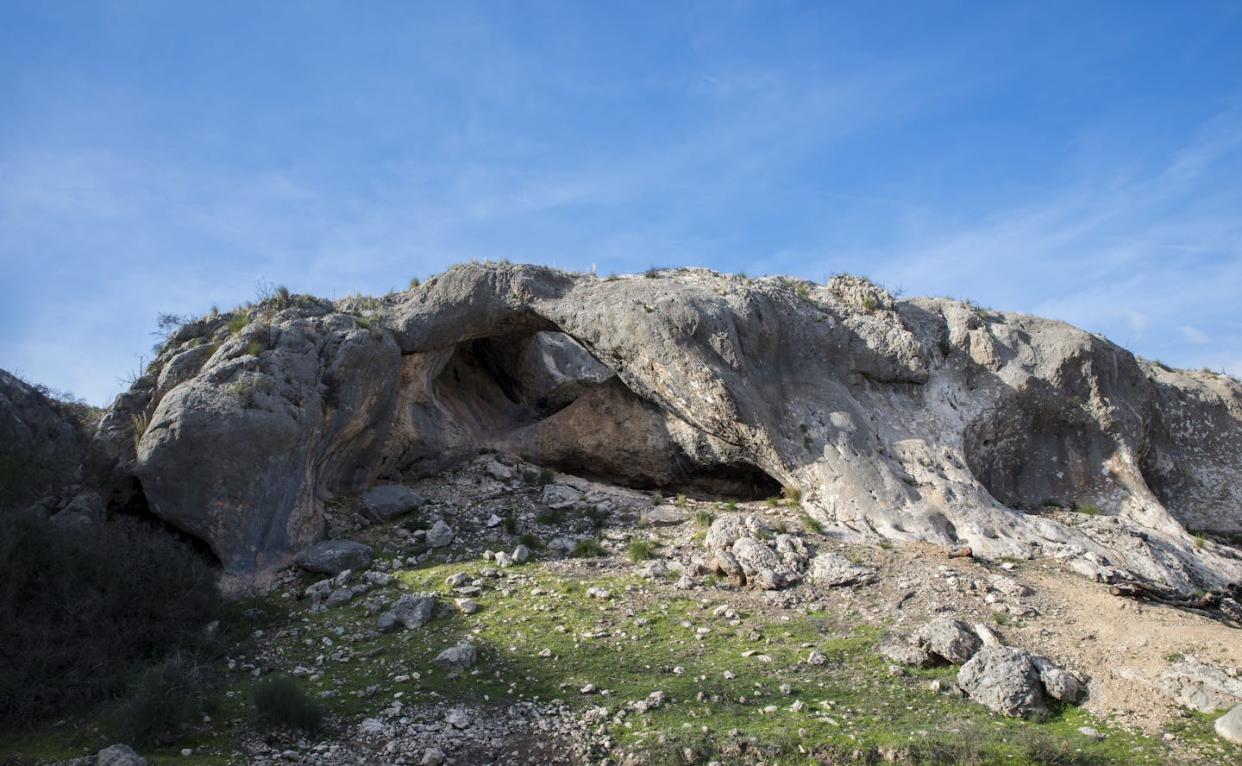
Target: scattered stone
432, 756
119, 755
410, 611
467, 605
521, 554
816, 657
335, 556
664, 515
493, 521
961, 552
599, 593
457, 580
1008, 586
388, 500
1090, 733
457, 657
833, 570
906, 654
559, 496
440, 535
457, 718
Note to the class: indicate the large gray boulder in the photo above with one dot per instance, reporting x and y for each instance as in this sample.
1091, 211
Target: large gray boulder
921, 420
1016, 683
335, 556
1006, 681
388, 500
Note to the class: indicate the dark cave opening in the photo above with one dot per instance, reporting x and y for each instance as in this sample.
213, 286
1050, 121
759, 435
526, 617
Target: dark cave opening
132, 503
545, 398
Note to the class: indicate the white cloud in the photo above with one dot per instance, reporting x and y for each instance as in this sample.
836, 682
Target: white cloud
1194, 335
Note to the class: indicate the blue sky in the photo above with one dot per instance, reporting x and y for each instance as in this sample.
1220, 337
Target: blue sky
1077, 160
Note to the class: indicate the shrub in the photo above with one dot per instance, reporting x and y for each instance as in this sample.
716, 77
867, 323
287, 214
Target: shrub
793, 495
238, 323
681, 501
530, 541
165, 699
587, 549
253, 348
80, 611
640, 549
509, 524
550, 517
280, 702
415, 282
811, 523
704, 518
546, 476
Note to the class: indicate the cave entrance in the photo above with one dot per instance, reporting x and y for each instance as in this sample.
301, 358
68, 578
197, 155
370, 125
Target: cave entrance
544, 397
132, 503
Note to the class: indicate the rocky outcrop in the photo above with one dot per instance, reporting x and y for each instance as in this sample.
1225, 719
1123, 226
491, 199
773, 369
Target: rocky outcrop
921, 419
41, 446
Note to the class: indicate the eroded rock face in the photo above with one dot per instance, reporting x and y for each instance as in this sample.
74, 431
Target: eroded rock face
921, 420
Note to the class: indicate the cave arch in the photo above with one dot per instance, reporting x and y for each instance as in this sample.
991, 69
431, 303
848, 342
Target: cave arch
541, 395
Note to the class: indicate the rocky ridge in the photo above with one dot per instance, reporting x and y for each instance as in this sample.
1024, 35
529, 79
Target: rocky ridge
907, 420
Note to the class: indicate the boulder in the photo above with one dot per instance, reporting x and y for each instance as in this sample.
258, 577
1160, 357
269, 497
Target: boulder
1005, 680
412, 611
1060, 684
440, 535
119, 755
388, 500
665, 515
457, 657
951, 640
560, 496
833, 570
335, 556
1229, 726
906, 654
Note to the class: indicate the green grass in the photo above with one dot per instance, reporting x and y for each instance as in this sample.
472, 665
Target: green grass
238, 323
851, 708
704, 518
810, 523
587, 549
640, 549
1089, 509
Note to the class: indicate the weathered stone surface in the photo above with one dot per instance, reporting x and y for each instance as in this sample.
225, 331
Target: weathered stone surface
832, 570
920, 419
906, 654
457, 657
1229, 726
119, 755
951, 640
388, 500
1200, 686
335, 556
410, 611
440, 534
1005, 680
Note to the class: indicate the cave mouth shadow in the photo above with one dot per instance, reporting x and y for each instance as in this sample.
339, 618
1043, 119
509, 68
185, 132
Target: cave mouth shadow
544, 397
132, 503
